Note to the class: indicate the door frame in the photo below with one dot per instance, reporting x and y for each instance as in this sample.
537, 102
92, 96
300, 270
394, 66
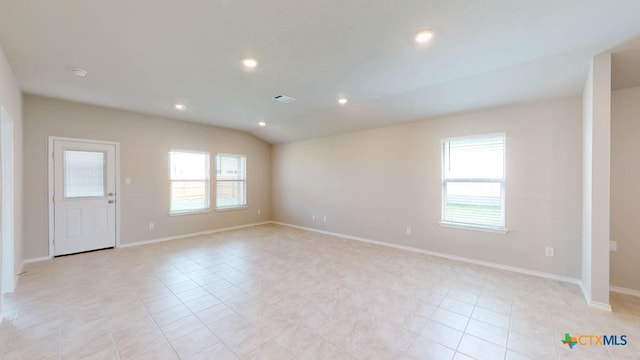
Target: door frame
51, 192
7, 186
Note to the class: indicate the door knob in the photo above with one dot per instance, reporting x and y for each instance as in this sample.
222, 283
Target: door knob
111, 201
110, 194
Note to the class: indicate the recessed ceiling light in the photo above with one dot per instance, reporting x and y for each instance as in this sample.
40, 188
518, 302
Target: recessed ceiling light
79, 72
343, 101
262, 124
180, 106
424, 36
250, 63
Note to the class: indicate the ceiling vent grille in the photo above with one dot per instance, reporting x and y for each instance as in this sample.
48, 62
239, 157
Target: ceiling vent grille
284, 99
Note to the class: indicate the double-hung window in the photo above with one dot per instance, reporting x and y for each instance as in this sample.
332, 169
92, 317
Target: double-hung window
231, 181
189, 176
473, 182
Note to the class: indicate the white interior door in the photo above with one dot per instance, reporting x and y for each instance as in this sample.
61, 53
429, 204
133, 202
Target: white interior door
84, 196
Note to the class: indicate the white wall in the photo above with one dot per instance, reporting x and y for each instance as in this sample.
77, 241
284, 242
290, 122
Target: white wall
375, 183
11, 100
596, 181
144, 145
625, 188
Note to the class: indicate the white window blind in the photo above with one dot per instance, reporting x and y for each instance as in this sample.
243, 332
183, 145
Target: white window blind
473, 181
189, 177
84, 174
231, 181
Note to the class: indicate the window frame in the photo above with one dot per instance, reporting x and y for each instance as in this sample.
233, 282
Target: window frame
244, 183
502, 229
207, 183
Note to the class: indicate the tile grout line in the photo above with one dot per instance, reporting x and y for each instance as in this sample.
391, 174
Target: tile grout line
113, 340
158, 325
153, 320
194, 314
522, 297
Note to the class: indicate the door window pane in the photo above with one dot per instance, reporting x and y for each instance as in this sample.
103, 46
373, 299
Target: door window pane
84, 174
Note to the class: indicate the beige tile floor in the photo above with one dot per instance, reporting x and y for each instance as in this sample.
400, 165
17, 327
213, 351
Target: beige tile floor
272, 292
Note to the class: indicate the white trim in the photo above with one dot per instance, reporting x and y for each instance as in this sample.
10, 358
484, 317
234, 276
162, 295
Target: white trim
145, 242
231, 208
189, 212
443, 255
89, 141
621, 290
230, 154
16, 274
118, 193
453, 225
190, 151
591, 303
153, 241
36, 259
51, 190
587, 297
477, 136
8, 201
600, 306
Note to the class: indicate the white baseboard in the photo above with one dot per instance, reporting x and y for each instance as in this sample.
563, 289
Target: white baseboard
29, 261
625, 291
153, 241
599, 305
33, 260
144, 242
594, 304
443, 255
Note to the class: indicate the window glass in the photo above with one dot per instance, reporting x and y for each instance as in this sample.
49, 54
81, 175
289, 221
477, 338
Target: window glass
189, 177
84, 174
231, 185
473, 181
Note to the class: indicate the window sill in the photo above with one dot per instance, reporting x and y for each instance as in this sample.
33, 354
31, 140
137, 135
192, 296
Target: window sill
189, 212
473, 227
231, 208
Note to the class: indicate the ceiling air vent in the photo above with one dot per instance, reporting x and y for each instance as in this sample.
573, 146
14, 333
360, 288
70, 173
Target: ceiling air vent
284, 99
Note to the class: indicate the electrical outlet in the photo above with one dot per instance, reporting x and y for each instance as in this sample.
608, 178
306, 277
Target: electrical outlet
259, 212
313, 217
127, 181
613, 245
152, 226
324, 218
549, 251
408, 231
